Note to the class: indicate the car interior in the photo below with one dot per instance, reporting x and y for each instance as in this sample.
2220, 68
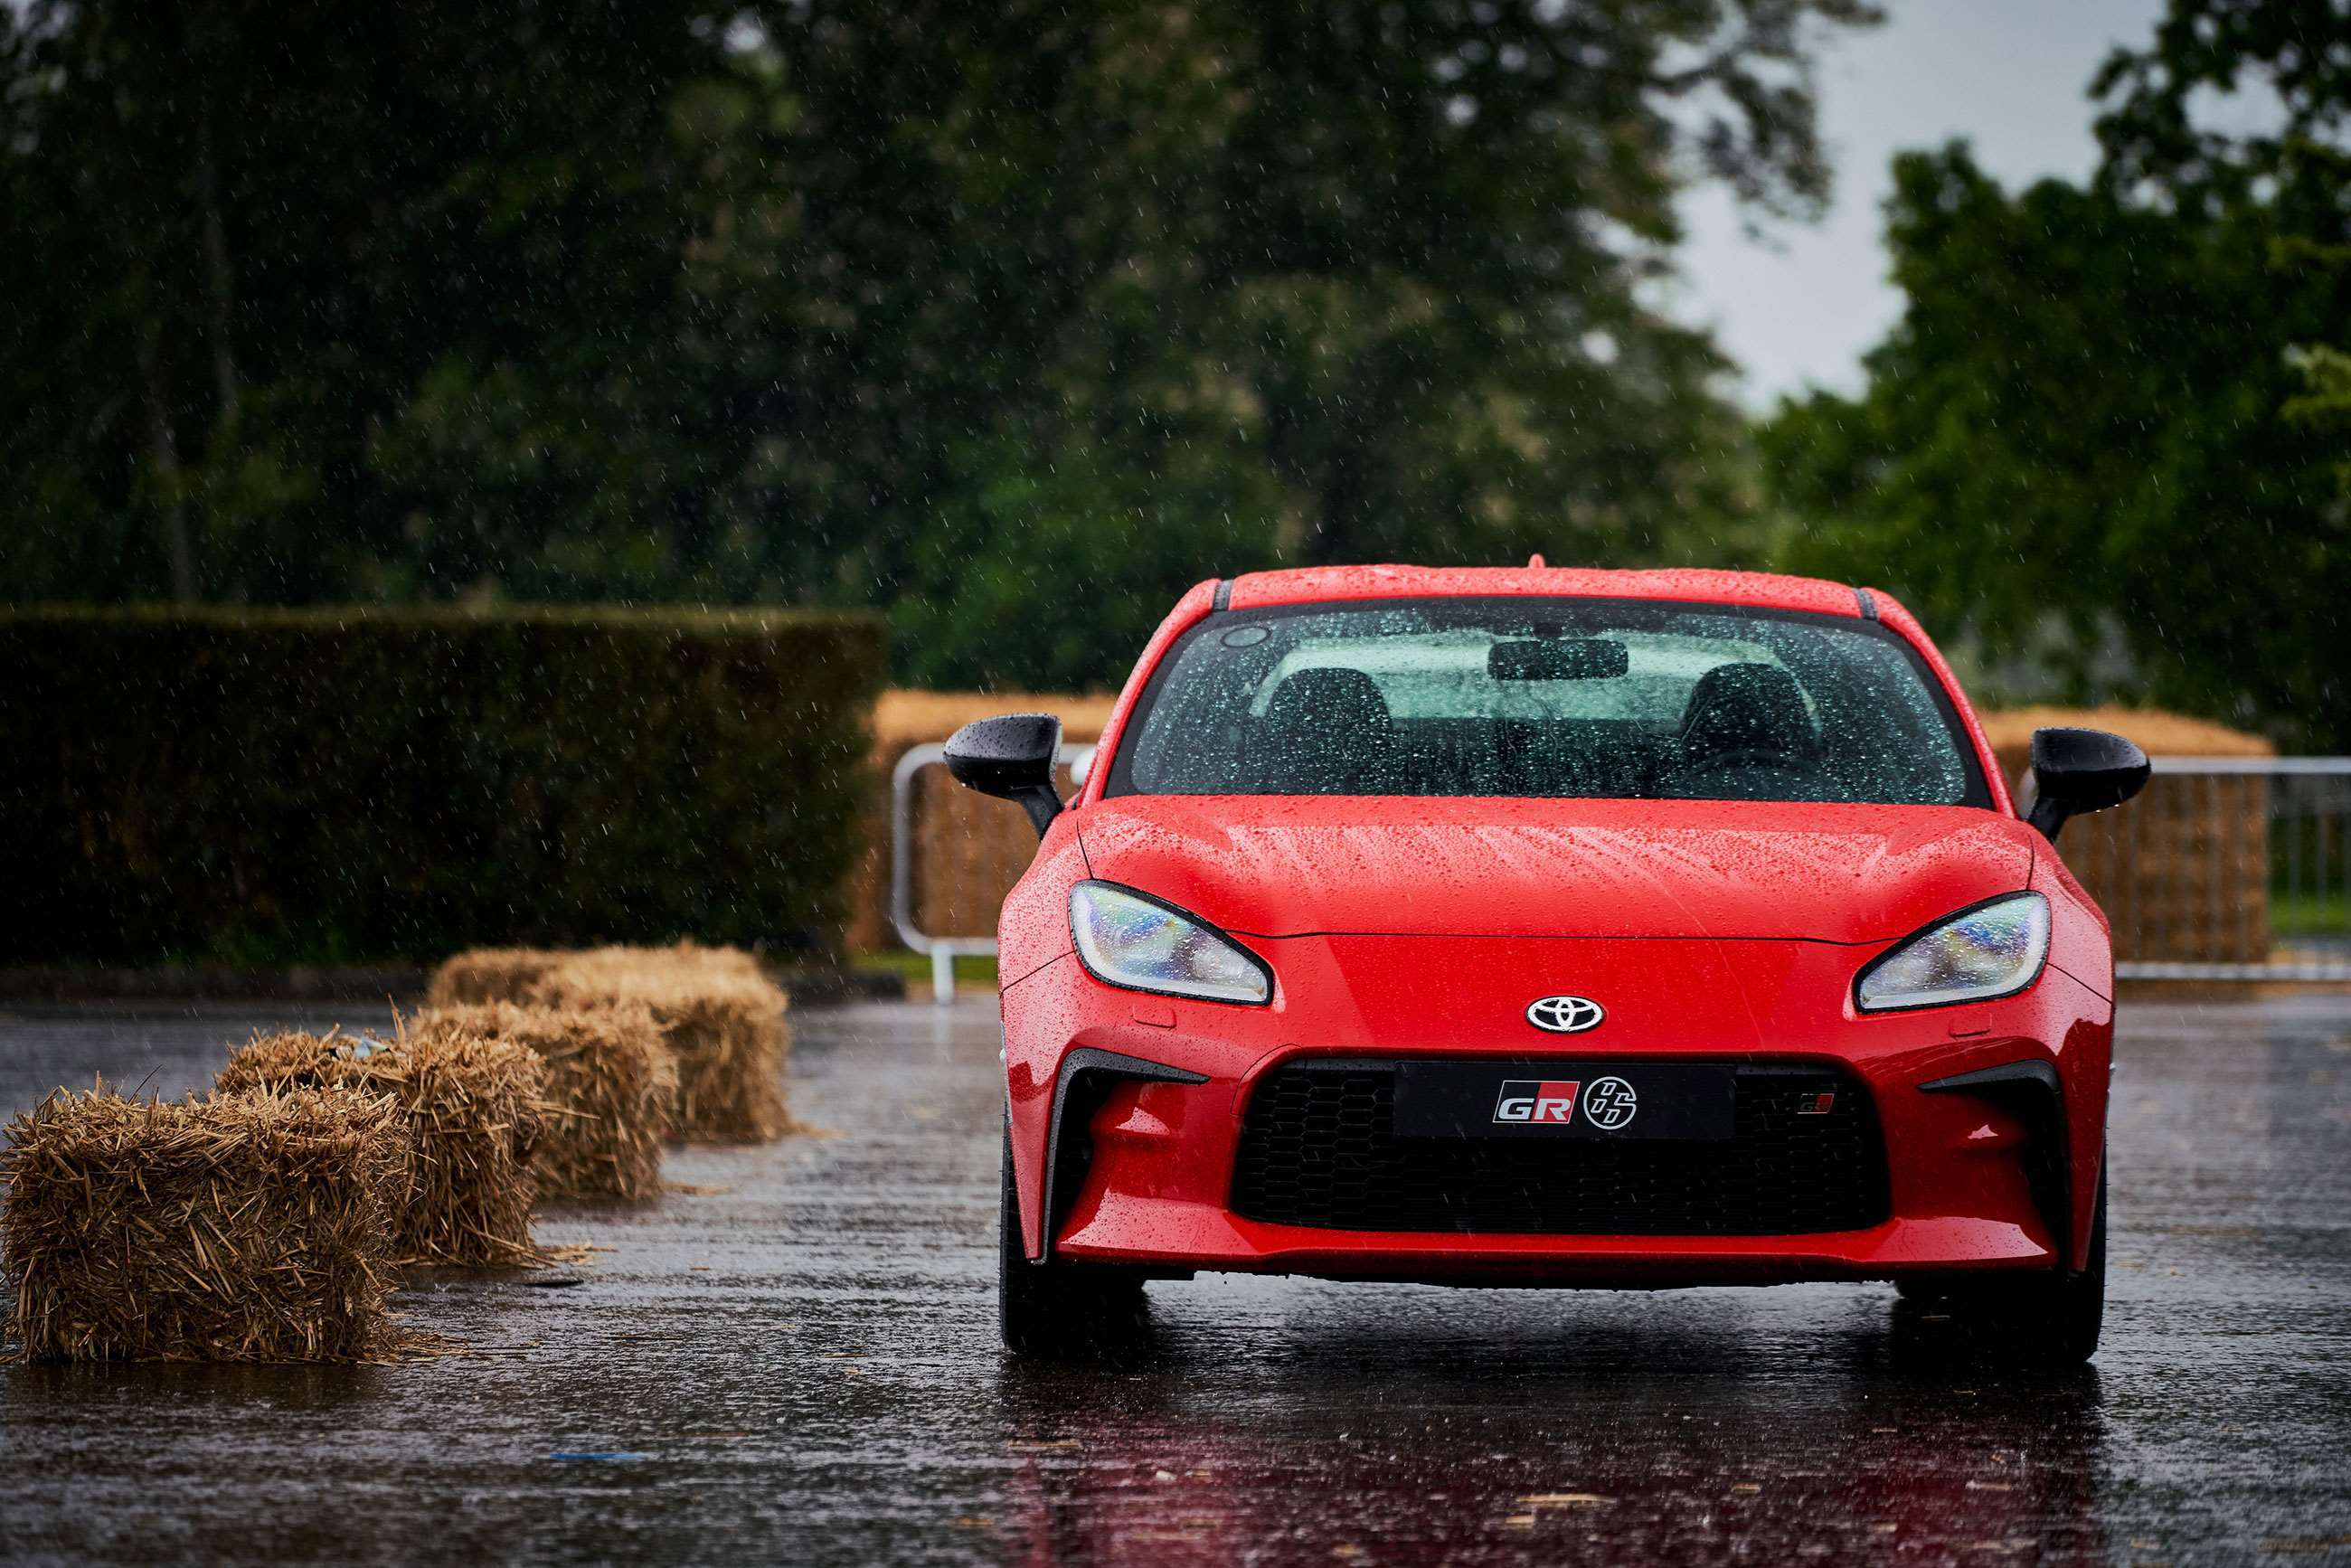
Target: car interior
1745, 731
1425, 707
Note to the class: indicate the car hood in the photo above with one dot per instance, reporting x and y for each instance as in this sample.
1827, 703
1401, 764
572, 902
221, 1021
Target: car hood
1292, 865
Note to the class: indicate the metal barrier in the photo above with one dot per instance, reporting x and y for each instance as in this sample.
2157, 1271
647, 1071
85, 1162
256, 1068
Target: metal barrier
2229, 868
942, 951
2287, 895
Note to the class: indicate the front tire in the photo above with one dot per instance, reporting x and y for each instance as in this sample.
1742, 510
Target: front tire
2051, 1319
1053, 1309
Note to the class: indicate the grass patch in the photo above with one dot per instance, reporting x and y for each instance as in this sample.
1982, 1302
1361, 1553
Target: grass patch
2311, 914
973, 969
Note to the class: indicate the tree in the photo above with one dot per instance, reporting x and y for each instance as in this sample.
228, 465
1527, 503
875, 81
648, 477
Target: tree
1273, 283
2324, 404
255, 242
2083, 412
958, 309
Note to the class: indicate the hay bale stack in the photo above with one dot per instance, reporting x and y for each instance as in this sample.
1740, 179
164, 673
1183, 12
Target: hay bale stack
239, 1228
2182, 872
490, 975
611, 1086
969, 849
721, 1017
472, 1110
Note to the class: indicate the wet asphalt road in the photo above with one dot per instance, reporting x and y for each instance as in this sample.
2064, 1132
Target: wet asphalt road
804, 1365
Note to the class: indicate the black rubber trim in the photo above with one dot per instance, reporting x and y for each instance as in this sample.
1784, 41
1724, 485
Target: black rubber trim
2035, 1093
1868, 603
2039, 1073
1224, 598
1085, 1077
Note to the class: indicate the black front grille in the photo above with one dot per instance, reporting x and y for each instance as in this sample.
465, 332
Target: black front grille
1318, 1147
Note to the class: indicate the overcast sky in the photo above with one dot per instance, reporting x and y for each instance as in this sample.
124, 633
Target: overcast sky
1801, 306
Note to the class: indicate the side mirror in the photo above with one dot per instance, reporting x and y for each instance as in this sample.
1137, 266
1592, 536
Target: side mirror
2079, 771
1011, 755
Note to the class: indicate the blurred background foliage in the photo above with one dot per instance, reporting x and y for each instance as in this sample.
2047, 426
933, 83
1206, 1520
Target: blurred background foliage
2112, 424
281, 787
1013, 321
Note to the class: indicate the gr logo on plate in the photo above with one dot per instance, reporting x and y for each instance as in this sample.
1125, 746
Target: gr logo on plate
1536, 1100
1564, 1014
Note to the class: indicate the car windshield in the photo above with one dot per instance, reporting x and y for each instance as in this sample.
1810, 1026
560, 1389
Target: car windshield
1540, 697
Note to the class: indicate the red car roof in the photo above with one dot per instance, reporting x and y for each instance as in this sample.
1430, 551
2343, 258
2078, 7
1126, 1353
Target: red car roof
1763, 589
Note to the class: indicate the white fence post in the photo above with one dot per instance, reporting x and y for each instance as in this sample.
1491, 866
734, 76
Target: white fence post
942, 951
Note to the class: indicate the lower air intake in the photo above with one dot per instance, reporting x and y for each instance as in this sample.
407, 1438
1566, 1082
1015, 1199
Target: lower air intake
1319, 1148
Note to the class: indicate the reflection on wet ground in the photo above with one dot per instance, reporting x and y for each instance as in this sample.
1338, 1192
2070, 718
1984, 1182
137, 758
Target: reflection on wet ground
802, 1366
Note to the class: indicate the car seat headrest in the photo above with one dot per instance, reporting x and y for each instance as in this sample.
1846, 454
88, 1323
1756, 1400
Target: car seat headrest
1330, 733
1748, 708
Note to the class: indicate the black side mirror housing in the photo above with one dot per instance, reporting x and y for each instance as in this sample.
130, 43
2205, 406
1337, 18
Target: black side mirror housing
1012, 756
2080, 770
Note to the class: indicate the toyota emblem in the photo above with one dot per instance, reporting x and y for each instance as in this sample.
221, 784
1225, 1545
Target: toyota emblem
1564, 1014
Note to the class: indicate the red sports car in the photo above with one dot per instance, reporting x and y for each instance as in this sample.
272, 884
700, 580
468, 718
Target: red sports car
1551, 927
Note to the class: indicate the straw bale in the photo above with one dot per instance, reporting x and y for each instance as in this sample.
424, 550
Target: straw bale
239, 1228
2158, 733
490, 975
611, 1086
473, 1109
721, 1017
969, 849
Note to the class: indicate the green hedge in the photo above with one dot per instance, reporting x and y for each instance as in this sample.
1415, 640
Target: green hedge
281, 787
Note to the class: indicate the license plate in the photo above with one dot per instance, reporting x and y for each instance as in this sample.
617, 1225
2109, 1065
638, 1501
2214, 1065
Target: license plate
1613, 1101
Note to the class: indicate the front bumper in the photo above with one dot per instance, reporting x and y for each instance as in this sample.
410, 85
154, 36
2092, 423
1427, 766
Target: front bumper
1983, 1174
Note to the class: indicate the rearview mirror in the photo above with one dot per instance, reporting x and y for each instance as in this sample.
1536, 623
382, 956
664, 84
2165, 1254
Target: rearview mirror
1558, 659
1012, 756
2080, 770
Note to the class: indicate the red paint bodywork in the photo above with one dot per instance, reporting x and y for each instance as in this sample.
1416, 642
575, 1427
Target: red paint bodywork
1722, 930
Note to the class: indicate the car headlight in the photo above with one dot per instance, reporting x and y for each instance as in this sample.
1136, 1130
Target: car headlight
1131, 940
1995, 950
